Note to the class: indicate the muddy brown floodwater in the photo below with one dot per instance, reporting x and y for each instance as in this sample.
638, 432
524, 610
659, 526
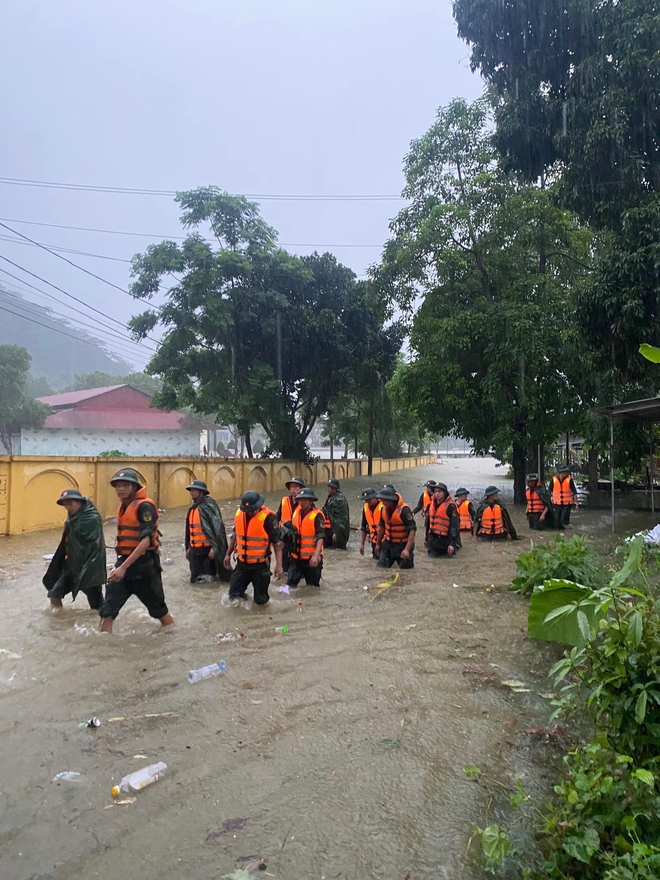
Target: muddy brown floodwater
334, 751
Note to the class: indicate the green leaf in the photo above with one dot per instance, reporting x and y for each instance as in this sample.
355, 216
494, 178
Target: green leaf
582, 846
495, 843
471, 771
640, 707
565, 628
644, 776
650, 352
635, 629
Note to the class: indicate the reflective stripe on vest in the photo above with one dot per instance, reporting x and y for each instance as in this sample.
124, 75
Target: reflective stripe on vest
464, 516
561, 491
286, 509
252, 541
129, 526
492, 521
195, 531
306, 527
534, 503
395, 530
439, 521
373, 518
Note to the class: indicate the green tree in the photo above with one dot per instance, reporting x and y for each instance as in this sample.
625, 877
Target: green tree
577, 99
252, 333
495, 262
17, 408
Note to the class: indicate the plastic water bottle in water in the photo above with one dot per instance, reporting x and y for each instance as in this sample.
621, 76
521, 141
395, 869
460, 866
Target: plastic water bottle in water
140, 778
282, 629
210, 671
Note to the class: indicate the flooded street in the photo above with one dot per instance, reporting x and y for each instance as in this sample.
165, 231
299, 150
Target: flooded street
333, 751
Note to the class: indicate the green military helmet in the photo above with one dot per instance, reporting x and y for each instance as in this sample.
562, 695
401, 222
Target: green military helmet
430, 484
333, 482
563, 469
491, 490
367, 494
532, 478
461, 491
295, 481
307, 495
251, 501
126, 475
442, 487
70, 495
387, 493
198, 484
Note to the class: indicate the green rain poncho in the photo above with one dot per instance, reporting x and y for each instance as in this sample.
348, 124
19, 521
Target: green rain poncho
214, 529
81, 552
336, 509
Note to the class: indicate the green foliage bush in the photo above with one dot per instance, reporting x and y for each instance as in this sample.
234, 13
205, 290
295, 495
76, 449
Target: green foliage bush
570, 560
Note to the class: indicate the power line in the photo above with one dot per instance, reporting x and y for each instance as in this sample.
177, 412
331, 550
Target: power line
119, 343
154, 235
63, 250
287, 197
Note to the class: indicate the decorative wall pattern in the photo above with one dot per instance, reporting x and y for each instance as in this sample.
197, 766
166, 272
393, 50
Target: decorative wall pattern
77, 441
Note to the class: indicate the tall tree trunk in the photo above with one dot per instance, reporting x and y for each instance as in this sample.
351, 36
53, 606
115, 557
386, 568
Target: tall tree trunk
592, 469
332, 441
248, 444
356, 444
519, 449
370, 452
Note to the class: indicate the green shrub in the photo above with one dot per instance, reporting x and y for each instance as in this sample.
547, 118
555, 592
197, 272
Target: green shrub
565, 560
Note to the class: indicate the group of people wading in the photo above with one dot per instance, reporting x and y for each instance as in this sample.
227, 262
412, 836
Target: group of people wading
297, 534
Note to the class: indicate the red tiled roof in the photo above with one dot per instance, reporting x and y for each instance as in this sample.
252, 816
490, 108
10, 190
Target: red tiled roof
134, 419
71, 398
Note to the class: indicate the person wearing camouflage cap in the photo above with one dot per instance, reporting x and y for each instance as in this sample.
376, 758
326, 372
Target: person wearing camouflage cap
205, 538
78, 564
137, 571
337, 517
396, 532
492, 521
540, 510
256, 533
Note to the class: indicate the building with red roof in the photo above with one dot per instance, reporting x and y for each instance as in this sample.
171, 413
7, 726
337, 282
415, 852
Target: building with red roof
117, 417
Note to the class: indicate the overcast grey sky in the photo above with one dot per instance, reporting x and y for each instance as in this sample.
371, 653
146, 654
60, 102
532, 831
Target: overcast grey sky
258, 96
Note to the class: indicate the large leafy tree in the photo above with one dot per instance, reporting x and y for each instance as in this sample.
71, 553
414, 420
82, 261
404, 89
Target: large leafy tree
17, 407
577, 100
252, 333
495, 356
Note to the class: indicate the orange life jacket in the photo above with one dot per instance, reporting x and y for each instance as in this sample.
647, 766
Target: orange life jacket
373, 518
252, 541
492, 521
198, 539
129, 526
534, 503
287, 509
426, 500
439, 521
561, 491
395, 530
464, 516
305, 524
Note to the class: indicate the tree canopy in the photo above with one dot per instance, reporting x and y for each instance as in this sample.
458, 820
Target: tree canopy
17, 408
253, 333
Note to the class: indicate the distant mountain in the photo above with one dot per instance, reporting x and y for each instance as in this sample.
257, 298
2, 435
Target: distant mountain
56, 358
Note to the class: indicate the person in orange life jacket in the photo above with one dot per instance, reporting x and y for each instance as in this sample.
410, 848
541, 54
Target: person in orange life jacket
307, 556
285, 511
564, 495
337, 517
425, 498
492, 522
465, 509
137, 572
396, 531
443, 536
206, 539
78, 564
256, 530
371, 514
540, 513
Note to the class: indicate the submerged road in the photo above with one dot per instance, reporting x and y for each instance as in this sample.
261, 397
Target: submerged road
333, 751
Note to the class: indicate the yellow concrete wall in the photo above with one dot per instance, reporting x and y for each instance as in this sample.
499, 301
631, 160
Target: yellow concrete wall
29, 486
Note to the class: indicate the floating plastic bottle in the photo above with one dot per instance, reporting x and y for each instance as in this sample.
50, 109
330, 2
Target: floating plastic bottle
91, 724
68, 776
281, 629
140, 778
210, 671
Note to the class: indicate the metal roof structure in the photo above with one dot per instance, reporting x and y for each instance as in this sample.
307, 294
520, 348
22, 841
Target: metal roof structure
73, 398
